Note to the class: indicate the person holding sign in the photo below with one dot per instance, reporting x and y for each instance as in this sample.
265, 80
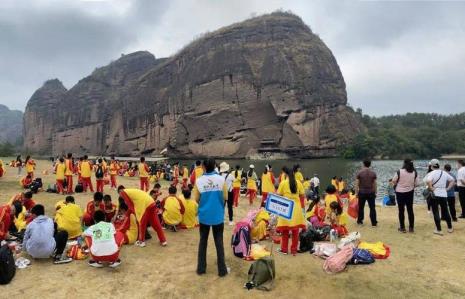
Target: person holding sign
293, 190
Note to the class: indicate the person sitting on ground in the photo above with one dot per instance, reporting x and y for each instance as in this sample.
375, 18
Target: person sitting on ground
338, 219
92, 207
189, 219
109, 208
391, 192
316, 213
7, 212
126, 223
156, 191
173, 209
69, 218
25, 198
26, 181
42, 241
331, 196
104, 242
19, 219
260, 224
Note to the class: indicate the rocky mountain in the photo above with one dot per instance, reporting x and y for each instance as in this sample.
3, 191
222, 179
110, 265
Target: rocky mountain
265, 85
11, 124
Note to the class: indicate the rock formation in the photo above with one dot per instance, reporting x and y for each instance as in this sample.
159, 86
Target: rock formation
11, 125
267, 84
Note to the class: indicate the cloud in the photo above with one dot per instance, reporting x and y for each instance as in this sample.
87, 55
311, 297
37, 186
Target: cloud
396, 56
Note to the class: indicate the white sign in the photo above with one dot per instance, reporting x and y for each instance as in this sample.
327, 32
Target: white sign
279, 205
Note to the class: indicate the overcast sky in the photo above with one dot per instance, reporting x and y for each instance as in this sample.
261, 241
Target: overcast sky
396, 56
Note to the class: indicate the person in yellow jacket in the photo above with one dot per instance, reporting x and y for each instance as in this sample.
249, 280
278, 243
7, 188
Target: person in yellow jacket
60, 169
69, 171
20, 220
86, 172
30, 166
267, 183
69, 217
114, 169
189, 219
197, 172
341, 185
260, 224
125, 222
331, 196
298, 173
292, 190
334, 182
185, 176
237, 185
173, 209
283, 174
2, 168
143, 175
251, 184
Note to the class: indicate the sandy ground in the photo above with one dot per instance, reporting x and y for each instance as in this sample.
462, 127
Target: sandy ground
421, 265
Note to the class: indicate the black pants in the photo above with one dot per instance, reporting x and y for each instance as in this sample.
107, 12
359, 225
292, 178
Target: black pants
61, 237
462, 199
370, 198
442, 202
451, 204
230, 205
202, 255
405, 199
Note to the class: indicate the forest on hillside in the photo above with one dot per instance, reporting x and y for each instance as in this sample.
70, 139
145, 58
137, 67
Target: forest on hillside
413, 135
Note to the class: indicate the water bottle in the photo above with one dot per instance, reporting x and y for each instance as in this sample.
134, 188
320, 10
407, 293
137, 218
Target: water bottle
333, 235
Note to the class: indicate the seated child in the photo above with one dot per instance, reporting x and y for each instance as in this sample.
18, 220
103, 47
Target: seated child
331, 196
92, 207
26, 181
316, 213
173, 209
156, 191
19, 219
104, 242
260, 224
69, 217
189, 219
126, 223
338, 219
109, 208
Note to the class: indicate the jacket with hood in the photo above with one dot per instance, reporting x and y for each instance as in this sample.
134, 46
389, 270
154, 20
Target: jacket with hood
38, 239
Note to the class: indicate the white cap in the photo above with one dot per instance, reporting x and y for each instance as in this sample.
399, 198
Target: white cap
251, 166
434, 162
224, 167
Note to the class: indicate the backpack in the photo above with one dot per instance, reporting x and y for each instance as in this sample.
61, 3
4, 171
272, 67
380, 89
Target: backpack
99, 172
362, 257
261, 274
34, 187
241, 242
38, 182
306, 239
79, 188
7, 265
337, 262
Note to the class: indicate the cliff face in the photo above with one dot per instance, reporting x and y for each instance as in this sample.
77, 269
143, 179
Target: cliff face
267, 84
11, 124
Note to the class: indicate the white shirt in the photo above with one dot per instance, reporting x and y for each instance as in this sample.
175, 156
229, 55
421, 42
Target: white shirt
315, 181
228, 179
461, 176
103, 239
440, 182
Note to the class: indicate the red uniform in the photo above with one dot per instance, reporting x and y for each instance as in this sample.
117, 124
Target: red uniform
109, 212
119, 239
88, 217
69, 175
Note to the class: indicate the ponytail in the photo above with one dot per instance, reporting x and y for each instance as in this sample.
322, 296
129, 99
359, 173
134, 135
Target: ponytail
292, 183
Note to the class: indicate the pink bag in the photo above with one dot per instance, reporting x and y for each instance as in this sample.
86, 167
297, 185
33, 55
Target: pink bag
337, 262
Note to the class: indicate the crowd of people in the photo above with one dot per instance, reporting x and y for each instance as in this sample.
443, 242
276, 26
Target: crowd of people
197, 198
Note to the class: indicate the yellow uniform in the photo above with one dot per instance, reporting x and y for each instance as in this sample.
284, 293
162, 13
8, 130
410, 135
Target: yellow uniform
20, 221
86, 169
329, 198
237, 179
133, 230
267, 183
334, 183
30, 166
172, 210
259, 229
143, 173
60, 171
297, 220
185, 173
68, 218
341, 186
68, 167
189, 219
299, 177
252, 183
114, 167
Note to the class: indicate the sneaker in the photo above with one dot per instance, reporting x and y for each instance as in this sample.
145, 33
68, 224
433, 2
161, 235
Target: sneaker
437, 232
450, 230
140, 243
164, 244
280, 251
402, 230
115, 264
95, 264
62, 260
231, 223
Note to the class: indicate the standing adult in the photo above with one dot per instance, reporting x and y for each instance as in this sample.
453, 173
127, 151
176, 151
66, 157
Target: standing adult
210, 191
229, 179
366, 188
450, 196
69, 171
461, 185
439, 182
405, 181
86, 171
268, 182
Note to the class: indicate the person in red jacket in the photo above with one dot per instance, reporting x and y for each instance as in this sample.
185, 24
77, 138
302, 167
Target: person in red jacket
109, 208
92, 206
7, 213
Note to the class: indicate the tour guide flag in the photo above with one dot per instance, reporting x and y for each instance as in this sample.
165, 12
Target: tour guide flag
279, 205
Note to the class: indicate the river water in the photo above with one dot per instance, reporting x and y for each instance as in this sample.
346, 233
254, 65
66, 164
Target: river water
347, 169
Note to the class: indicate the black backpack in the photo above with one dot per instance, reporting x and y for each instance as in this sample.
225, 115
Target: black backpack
78, 188
38, 182
306, 240
7, 265
99, 172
